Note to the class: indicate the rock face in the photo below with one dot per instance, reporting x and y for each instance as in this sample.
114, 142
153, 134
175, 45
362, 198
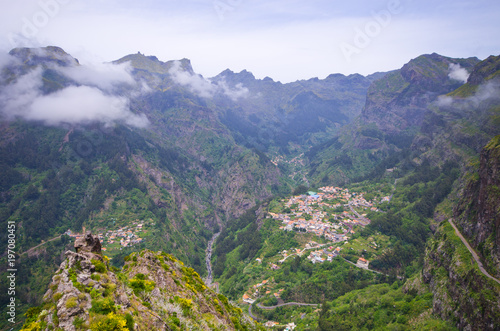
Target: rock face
478, 212
462, 294
153, 291
88, 243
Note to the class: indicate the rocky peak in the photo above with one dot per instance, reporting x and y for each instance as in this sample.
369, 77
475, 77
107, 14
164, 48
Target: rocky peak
44, 56
153, 65
487, 69
153, 291
88, 243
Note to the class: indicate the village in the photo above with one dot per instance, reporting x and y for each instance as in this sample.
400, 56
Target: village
307, 213
126, 236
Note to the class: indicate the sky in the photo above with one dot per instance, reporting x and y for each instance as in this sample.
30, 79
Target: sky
285, 40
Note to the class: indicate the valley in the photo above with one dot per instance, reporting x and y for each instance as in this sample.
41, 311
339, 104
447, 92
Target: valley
319, 204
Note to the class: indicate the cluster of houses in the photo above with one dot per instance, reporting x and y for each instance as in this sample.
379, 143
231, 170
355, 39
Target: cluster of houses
308, 215
126, 236
297, 161
258, 290
322, 255
288, 327
310, 245
272, 324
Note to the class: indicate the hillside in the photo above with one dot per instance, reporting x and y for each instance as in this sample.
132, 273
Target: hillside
152, 291
405, 117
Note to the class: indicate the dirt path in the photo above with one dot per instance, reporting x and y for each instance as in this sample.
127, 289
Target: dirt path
33, 248
286, 304
473, 252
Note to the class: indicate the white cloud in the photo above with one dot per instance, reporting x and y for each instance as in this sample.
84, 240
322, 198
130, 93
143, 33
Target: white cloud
485, 92
458, 73
74, 104
196, 83
239, 90
105, 76
83, 104
6, 59
16, 98
285, 40
203, 87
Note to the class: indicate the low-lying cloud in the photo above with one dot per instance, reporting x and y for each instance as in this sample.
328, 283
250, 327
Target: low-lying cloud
196, 83
456, 72
203, 87
83, 104
485, 92
105, 76
91, 101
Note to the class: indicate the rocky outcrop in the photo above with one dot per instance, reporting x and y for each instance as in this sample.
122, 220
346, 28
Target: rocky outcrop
88, 243
153, 291
478, 212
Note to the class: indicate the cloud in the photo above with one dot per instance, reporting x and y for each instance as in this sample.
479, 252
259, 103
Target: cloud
458, 73
196, 83
487, 91
83, 104
203, 87
7, 59
239, 90
73, 105
445, 101
105, 76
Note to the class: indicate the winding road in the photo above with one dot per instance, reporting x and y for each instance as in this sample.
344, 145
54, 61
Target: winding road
473, 252
286, 304
274, 307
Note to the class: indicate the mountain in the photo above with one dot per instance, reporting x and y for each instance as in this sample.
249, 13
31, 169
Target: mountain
286, 115
105, 146
153, 291
405, 112
150, 156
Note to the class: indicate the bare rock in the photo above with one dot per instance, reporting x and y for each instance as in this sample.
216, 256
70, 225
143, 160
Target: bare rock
88, 243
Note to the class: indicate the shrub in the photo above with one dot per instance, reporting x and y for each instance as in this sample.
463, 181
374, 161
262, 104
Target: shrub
103, 306
57, 296
130, 322
78, 322
139, 284
99, 266
109, 289
111, 322
32, 314
71, 302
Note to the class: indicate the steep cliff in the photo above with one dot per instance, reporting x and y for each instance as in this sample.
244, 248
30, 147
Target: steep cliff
478, 212
463, 293
153, 291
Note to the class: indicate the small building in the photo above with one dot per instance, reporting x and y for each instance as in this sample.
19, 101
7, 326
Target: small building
362, 263
270, 324
247, 299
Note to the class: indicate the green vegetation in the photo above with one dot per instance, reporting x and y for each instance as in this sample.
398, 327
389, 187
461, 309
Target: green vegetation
381, 307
